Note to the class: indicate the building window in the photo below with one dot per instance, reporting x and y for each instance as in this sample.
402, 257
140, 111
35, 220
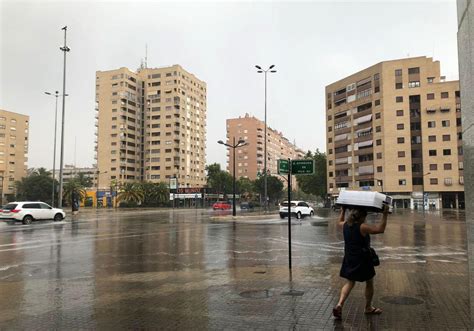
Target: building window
400, 126
398, 86
432, 152
329, 140
413, 84
379, 169
460, 150
377, 102
401, 168
431, 138
461, 165
448, 181
330, 174
430, 80
446, 152
400, 140
402, 182
446, 137
412, 71
329, 128
447, 166
330, 151
433, 167
431, 124
329, 117
430, 96
330, 162
445, 123
377, 116
400, 112
401, 153
444, 95
378, 128
458, 122
434, 181
378, 142
398, 72
399, 99
379, 156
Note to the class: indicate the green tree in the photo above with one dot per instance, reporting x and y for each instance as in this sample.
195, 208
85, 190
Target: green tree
246, 188
219, 180
315, 184
73, 185
130, 192
274, 187
84, 180
35, 187
154, 194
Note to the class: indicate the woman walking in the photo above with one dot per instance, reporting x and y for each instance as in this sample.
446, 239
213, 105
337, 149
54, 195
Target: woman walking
357, 265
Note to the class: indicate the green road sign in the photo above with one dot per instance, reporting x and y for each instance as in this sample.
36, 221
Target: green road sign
302, 167
283, 166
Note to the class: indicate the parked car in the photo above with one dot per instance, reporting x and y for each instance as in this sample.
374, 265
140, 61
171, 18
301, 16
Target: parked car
29, 211
299, 209
221, 205
246, 205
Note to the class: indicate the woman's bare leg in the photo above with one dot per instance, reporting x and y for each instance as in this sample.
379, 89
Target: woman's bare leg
345, 291
369, 294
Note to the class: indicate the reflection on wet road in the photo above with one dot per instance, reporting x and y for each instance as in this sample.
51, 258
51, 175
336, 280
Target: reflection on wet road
132, 269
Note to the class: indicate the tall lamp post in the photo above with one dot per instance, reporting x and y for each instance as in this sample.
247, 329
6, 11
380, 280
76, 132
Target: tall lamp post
97, 188
260, 70
240, 143
56, 95
64, 49
423, 188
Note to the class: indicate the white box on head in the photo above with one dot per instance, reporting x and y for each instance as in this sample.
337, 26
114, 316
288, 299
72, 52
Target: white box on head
373, 201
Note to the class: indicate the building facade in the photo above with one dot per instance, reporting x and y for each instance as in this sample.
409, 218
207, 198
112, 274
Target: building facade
70, 172
14, 132
151, 126
466, 77
396, 127
250, 159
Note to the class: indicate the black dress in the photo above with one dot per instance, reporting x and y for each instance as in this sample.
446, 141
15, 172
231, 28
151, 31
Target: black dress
357, 265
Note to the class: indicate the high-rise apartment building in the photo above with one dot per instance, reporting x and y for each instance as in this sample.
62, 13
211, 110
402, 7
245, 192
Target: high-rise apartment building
396, 127
250, 159
151, 126
14, 129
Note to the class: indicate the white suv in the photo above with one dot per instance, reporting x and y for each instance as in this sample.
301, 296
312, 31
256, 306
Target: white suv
298, 208
29, 211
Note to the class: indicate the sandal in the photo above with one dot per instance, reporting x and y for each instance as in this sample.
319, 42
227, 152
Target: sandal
337, 312
373, 311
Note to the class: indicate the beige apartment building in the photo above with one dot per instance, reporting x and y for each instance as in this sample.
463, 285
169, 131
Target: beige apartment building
151, 126
396, 127
14, 129
250, 159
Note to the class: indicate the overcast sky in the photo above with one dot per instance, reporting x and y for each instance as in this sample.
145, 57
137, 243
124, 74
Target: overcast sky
312, 45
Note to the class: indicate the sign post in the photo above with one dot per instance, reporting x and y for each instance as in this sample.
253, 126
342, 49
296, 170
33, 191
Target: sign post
293, 167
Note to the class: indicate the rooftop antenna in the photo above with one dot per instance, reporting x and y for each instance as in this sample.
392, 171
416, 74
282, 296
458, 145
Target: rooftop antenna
146, 55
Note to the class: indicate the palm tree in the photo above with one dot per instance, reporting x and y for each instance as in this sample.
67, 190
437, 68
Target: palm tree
74, 186
130, 192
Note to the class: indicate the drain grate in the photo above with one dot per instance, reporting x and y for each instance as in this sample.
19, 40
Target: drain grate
256, 294
401, 300
293, 293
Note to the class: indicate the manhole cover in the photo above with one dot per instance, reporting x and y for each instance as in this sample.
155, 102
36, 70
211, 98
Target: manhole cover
400, 300
293, 293
256, 294
260, 272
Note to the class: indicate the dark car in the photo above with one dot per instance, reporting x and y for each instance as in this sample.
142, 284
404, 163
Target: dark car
246, 205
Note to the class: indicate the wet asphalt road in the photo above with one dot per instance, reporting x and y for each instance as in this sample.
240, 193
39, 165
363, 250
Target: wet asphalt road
178, 269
